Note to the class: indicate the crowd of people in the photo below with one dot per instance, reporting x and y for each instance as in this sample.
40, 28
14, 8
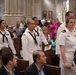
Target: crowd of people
33, 33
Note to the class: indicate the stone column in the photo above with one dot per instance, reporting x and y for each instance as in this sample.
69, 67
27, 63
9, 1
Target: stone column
27, 9
7, 6
19, 7
72, 6
11, 3
33, 8
15, 6
13, 11
38, 11
29, 12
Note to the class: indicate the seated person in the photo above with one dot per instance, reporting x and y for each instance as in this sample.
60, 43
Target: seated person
3, 51
9, 61
38, 67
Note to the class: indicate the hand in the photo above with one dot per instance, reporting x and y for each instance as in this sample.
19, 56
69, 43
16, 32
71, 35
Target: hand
67, 65
47, 45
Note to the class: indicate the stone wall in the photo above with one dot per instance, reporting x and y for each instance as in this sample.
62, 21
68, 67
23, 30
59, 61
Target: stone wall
14, 10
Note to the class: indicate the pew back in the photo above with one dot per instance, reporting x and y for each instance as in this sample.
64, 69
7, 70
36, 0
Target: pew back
48, 55
54, 70
22, 64
18, 46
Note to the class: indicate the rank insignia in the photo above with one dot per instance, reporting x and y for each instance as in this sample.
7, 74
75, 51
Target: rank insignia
64, 31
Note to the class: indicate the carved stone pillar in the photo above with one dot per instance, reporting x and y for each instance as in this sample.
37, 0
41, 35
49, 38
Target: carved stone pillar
38, 10
27, 8
72, 6
16, 10
19, 7
7, 6
11, 7
32, 8
13, 11
15, 6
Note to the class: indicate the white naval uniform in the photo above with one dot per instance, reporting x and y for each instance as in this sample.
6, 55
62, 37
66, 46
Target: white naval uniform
6, 43
61, 28
68, 40
28, 46
41, 38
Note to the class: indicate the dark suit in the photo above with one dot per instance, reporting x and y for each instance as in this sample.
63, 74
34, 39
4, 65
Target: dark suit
4, 72
32, 70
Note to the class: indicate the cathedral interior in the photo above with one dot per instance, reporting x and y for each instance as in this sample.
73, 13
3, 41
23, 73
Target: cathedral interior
33, 25
14, 10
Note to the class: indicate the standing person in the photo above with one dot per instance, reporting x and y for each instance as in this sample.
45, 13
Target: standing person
61, 28
17, 29
55, 59
46, 33
38, 67
67, 44
57, 23
53, 28
5, 38
39, 33
9, 67
29, 41
10, 30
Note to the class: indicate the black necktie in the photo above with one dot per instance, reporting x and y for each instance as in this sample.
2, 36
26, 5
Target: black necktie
36, 31
4, 36
34, 37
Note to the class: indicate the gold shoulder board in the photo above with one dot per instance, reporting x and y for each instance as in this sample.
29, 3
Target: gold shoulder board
64, 31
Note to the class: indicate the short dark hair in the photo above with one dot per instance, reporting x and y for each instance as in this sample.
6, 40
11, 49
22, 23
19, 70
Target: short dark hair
7, 57
34, 18
36, 55
67, 13
1, 21
69, 19
4, 50
54, 35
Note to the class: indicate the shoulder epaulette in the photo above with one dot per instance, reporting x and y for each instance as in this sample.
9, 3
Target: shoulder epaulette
64, 31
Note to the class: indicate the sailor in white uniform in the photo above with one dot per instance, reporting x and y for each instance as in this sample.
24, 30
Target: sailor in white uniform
67, 43
5, 38
29, 42
61, 28
39, 33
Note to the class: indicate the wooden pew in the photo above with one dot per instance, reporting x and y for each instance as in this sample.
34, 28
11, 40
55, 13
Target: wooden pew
18, 46
48, 55
22, 64
43, 46
54, 70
